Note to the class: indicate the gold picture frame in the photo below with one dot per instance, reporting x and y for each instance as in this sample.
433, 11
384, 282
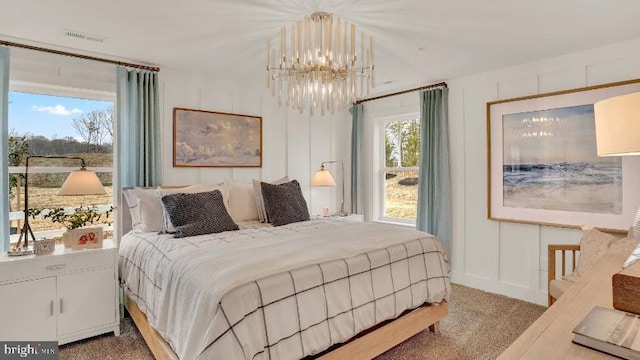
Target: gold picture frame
216, 139
542, 163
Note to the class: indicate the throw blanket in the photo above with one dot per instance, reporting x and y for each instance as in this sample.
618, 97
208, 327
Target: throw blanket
280, 293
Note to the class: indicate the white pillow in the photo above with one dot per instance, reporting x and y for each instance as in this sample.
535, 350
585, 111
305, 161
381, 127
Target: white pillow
145, 209
259, 200
242, 203
134, 208
167, 226
593, 245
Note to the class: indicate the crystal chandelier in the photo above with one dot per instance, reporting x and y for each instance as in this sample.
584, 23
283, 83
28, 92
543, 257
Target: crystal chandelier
323, 68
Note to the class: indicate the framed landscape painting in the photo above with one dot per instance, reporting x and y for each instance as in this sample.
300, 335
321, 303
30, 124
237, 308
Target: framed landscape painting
543, 167
215, 139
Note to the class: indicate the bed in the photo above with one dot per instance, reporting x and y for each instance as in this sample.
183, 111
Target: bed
328, 288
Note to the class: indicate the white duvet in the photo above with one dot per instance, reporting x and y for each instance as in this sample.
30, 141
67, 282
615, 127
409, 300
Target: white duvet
208, 295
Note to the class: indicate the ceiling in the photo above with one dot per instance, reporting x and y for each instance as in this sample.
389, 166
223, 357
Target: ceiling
416, 40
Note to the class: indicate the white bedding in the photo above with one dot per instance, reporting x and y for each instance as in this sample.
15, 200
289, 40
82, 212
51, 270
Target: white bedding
258, 292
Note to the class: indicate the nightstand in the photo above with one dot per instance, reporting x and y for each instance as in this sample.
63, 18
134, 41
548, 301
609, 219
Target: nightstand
66, 296
350, 217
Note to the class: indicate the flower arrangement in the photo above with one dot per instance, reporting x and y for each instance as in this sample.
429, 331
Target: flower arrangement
82, 216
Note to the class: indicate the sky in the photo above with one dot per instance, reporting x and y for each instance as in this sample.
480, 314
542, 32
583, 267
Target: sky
47, 115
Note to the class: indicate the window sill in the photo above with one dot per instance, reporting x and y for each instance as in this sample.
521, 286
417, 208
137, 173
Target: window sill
397, 223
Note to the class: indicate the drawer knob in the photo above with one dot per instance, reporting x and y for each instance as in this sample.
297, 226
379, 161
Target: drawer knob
56, 267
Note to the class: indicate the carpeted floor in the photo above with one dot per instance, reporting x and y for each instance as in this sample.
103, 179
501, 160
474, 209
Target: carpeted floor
480, 325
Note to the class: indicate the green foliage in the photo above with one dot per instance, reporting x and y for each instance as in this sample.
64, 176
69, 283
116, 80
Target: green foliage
402, 139
390, 158
82, 216
18, 152
412, 144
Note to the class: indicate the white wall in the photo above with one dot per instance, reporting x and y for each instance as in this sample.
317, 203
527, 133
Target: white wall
293, 144
505, 257
35, 71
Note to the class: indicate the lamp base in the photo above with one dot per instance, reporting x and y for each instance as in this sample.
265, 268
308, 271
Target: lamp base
22, 252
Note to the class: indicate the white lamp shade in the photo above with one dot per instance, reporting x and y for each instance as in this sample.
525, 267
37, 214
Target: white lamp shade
82, 182
323, 177
618, 125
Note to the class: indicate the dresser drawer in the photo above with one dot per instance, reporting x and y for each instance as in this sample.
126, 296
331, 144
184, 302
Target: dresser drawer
51, 265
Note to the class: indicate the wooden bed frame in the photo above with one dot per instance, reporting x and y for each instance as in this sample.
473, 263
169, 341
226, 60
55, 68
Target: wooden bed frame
366, 346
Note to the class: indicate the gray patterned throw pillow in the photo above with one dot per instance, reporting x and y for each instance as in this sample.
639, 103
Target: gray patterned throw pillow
198, 213
284, 203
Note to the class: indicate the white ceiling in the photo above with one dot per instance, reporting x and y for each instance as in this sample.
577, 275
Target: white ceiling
416, 40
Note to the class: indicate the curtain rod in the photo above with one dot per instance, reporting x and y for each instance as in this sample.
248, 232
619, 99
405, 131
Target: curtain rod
440, 84
86, 57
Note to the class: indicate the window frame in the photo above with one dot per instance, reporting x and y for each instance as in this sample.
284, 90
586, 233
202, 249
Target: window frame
380, 167
61, 91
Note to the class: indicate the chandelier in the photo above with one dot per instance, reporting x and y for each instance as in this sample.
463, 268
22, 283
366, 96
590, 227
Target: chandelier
323, 68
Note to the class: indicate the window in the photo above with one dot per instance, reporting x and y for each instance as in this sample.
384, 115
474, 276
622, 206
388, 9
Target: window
399, 194
42, 124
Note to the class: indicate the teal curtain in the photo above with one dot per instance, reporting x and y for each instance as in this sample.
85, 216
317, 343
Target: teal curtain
357, 126
434, 182
138, 128
4, 148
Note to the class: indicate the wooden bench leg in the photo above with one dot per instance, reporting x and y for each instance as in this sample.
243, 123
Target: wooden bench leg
435, 328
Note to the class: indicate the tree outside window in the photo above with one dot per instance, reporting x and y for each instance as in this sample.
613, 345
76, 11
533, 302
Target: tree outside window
402, 155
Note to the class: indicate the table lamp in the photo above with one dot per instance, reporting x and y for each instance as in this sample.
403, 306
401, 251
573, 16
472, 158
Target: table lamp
323, 177
618, 134
79, 182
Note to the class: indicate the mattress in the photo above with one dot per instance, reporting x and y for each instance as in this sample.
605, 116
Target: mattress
279, 292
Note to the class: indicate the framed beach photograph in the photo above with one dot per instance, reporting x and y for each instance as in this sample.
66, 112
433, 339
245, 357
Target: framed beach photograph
543, 167
215, 139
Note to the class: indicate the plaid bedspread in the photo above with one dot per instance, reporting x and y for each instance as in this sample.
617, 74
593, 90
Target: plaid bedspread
279, 292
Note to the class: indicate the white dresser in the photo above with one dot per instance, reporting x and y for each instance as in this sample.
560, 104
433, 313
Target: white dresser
64, 297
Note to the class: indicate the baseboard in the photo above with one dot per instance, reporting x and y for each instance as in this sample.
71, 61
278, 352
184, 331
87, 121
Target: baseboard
511, 290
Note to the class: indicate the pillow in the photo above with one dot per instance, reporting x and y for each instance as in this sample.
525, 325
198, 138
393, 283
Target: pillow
198, 213
257, 189
167, 226
624, 245
593, 245
284, 203
241, 201
134, 208
145, 209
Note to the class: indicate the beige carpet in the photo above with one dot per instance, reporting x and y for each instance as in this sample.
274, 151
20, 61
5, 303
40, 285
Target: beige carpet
480, 325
